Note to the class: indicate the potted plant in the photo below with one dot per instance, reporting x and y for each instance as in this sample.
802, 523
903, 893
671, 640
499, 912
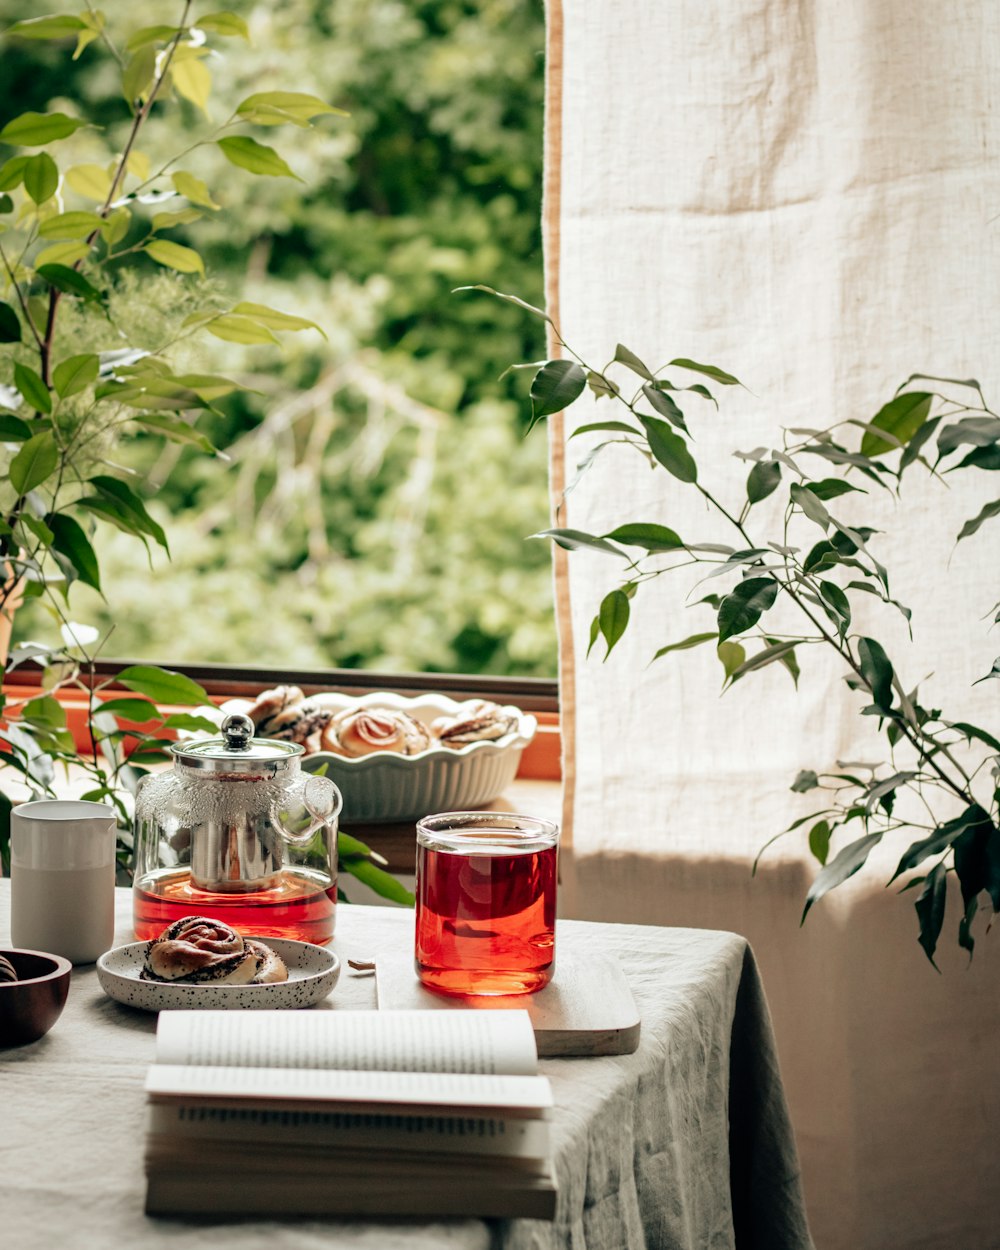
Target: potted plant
105, 300
820, 565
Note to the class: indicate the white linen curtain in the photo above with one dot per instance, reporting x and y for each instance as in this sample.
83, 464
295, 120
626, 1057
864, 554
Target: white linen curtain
807, 195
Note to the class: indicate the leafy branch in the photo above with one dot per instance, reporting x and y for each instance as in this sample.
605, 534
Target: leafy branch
941, 424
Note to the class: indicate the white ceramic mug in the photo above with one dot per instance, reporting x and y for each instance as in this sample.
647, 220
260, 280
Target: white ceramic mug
62, 878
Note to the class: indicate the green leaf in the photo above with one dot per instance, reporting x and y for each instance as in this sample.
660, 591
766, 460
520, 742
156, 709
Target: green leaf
138, 75
75, 374
10, 325
572, 540
149, 34
819, 840
274, 319
603, 388
112, 488
13, 429
61, 26
12, 173
974, 431
631, 361
35, 462
193, 189
669, 449
32, 130
965, 938
763, 480
901, 417
256, 158
665, 406
939, 840
233, 329
68, 280
6, 204
930, 907
192, 80
63, 254
190, 723
743, 608
806, 780
177, 430
613, 617
732, 656
279, 108
710, 371
136, 711
610, 427
970, 527
554, 387
831, 487
224, 24
377, 879
973, 731
33, 390
162, 685
976, 853
877, 672
992, 674
71, 542
650, 537
844, 865
695, 640
41, 177
839, 602
769, 655
509, 299
70, 225
914, 447
810, 505
175, 256
987, 458
91, 181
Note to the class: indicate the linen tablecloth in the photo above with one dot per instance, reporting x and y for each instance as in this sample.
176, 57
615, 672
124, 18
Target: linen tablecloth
683, 1145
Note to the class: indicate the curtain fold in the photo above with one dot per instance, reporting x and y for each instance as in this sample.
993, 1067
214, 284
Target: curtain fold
809, 197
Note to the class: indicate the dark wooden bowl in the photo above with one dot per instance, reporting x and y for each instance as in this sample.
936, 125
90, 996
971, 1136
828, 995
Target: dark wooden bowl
31, 1005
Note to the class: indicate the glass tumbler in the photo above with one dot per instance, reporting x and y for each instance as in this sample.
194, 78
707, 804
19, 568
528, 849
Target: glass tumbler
486, 902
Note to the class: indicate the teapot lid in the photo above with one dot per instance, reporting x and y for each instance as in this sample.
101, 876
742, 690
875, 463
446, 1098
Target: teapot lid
237, 751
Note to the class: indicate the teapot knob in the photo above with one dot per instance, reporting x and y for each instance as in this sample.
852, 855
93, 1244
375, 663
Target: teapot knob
237, 730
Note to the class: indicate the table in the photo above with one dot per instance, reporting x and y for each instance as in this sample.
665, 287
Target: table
683, 1145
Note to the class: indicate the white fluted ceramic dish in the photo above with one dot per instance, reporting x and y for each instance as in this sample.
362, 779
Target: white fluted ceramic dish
312, 974
387, 787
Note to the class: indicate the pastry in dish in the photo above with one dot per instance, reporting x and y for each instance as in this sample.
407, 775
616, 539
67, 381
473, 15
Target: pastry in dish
364, 731
478, 720
198, 951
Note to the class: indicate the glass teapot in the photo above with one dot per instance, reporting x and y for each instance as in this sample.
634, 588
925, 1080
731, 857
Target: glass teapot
237, 832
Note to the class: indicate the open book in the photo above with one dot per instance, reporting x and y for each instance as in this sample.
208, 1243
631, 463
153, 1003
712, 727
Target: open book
348, 1113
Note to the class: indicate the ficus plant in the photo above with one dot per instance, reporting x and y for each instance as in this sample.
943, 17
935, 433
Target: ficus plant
105, 299
950, 767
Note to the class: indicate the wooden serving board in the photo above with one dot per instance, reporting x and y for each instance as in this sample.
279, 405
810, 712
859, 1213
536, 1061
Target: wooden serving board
586, 1009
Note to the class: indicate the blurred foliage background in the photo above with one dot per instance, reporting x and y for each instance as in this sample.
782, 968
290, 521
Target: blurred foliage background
375, 508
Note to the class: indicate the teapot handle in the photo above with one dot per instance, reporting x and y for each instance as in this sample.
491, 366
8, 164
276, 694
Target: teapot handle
322, 802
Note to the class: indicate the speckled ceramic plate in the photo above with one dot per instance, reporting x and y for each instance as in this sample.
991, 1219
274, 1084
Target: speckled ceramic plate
312, 974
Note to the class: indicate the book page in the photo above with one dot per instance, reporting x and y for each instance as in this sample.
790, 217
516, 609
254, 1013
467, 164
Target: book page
298, 1130
400, 1041
405, 1092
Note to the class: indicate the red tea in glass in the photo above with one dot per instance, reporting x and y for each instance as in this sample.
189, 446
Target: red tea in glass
486, 902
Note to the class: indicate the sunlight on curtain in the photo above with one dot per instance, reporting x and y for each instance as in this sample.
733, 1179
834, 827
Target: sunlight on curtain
809, 197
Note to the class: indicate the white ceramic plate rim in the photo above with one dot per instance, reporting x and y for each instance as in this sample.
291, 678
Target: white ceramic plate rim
120, 982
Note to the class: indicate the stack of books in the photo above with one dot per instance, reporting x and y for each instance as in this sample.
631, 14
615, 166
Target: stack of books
372, 1113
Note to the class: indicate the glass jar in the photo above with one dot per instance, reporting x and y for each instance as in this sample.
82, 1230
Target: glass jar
236, 831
